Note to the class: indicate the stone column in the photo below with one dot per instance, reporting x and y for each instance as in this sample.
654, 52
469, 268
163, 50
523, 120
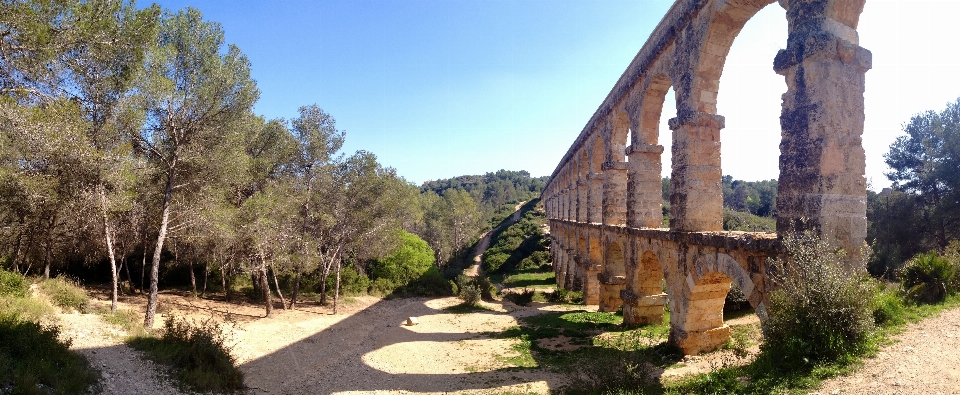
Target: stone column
644, 187
583, 192
822, 185
574, 270
571, 204
610, 289
696, 189
563, 204
614, 193
595, 198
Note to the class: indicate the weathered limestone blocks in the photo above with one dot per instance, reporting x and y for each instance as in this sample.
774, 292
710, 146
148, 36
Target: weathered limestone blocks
696, 194
642, 310
614, 193
595, 198
644, 186
591, 288
696, 342
610, 288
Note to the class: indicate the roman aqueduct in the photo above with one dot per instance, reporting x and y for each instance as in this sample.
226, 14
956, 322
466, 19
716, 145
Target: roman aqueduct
603, 200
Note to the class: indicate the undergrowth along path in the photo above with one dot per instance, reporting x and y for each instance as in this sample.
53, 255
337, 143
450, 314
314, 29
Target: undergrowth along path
923, 359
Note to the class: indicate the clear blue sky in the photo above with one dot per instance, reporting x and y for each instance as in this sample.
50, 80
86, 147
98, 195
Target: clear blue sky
440, 88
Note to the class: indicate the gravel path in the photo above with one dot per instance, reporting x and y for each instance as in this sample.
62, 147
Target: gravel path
924, 360
122, 369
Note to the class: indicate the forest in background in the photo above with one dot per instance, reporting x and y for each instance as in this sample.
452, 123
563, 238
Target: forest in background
130, 150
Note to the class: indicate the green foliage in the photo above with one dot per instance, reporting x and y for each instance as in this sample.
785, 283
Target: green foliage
470, 294
520, 298
755, 197
928, 278
561, 295
197, 355
746, 222
521, 245
13, 284
33, 360
411, 260
131, 321
352, 282
888, 308
823, 309
65, 293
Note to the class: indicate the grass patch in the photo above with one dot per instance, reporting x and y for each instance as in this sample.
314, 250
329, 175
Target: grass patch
530, 279
131, 321
65, 293
197, 355
34, 361
467, 308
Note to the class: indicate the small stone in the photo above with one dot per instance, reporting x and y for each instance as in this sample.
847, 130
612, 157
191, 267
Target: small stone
411, 321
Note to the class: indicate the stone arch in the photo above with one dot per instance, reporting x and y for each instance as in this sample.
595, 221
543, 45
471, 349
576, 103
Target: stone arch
651, 109
618, 137
597, 156
705, 303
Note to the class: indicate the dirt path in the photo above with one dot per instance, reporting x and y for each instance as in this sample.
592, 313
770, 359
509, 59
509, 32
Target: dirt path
123, 370
484, 242
925, 359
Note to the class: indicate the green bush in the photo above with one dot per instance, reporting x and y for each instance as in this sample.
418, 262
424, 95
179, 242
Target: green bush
411, 260
470, 294
888, 309
561, 295
823, 308
27, 309
13, 284
197, 355
65, 293
928, 278
351, 282
34, 361
521, 299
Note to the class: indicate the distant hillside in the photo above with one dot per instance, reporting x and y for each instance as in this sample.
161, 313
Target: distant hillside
492, 190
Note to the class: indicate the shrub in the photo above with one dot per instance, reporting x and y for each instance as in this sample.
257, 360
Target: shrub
521, 299
888, 309
823, 309
65, 293
561, 295
470, 294
27, 309
32, 357
351, 282
411, 260
13, 284
431, 283
735, 300
928, 278
197, 355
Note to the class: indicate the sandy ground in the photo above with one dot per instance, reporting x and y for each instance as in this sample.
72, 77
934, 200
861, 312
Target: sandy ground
925, 359
367, 349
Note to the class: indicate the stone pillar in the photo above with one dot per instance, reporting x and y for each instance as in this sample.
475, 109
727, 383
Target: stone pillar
560, 265
614, 193
582, 197
610, 289
696, 189
571, 204
563, 204
574, 274
642, 309
696, 314
822, 185
644, 186
595, 198
591, 285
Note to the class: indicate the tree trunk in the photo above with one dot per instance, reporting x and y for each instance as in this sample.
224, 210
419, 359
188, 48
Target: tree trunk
223, 282
296, 289
336, 290
143, 267
16, 250
47, 256
206, 274
193, 279
276, 283
115, 275
127, 268
323, 284
155, 267
265, 285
